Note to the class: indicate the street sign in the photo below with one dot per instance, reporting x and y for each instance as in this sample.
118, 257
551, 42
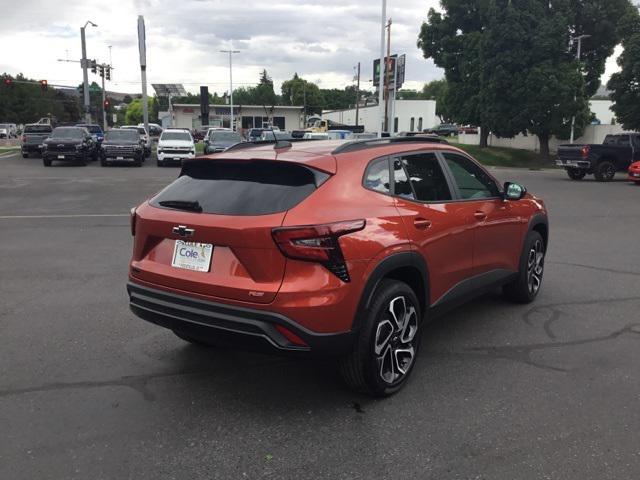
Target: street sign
401, 62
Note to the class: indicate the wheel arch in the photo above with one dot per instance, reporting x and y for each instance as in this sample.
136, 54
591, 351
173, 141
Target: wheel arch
407, 267
539, 223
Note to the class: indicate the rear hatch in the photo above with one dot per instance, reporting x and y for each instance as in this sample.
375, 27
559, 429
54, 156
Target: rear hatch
225, 211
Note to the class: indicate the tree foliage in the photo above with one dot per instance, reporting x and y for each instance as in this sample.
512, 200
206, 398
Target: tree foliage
625, 85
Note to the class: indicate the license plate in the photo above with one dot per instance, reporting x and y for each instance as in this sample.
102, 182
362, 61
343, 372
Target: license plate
60, 156
119, 158
192, 256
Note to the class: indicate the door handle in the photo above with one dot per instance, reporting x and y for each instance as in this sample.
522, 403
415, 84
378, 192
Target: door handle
422, 223
480, 215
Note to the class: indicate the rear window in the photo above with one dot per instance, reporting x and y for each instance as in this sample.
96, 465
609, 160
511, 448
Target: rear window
37, 129
128, 135
184, 136
242, 188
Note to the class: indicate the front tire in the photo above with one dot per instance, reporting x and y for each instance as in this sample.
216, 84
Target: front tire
526, 286
605, 171
25, 155
388, 342
576, 173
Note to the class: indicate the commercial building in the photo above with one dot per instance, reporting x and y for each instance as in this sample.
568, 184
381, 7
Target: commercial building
246, 116
408, 116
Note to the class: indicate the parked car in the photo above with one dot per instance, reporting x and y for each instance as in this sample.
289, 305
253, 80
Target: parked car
468, 129
8, 130
315, 136
122, 145
276, 135
254, 134
154, 129
342, 250
444, 130
174, 146
33, 137
339, 134
199, 134
616, 154
220, 140
95, 130
144, 136
634, 172
73, 144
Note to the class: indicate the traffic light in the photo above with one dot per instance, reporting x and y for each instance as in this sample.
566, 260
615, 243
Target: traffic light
7, 81
108, 73
101, 70
94, 66
44, 85
106, 104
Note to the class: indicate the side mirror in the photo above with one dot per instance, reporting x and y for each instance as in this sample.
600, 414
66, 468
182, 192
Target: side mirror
514, 191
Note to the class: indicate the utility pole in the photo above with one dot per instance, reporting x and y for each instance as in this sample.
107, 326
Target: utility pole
573, 119
104, 98
231, 52
85, 74
380, 83
358, 95
142, 47
387, 68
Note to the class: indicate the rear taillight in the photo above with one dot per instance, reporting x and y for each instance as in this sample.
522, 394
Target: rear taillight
24, 139
584, 151
132, 221
292, 337
318, 243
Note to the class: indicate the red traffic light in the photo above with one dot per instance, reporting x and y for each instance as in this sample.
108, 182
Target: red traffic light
106, 104
44, 85
8, 82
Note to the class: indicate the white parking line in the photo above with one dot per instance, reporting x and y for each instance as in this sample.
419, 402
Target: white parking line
79, 215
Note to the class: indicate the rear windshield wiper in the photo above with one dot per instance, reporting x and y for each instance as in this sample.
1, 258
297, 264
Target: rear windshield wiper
193, 206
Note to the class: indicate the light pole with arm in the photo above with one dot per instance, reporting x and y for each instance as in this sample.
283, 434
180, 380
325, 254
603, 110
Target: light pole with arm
231, 52
85, 74
381, 119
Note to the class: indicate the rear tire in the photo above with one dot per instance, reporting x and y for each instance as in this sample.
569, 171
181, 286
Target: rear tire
388, 342
526, 286
159, 163
576, 173
137, 162
103, 162
605, 171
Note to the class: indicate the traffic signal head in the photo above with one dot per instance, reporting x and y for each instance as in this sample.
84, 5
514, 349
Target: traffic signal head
7, 81
44, 85
101, 70
94, 66
106, 104
107, 73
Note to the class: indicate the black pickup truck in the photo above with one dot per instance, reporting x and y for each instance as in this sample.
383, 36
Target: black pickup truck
615, 154
33, 138
69, 144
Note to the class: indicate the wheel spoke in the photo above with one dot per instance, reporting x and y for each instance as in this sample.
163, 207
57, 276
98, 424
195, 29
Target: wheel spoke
387, 367
410, 326
398, 310
383, 335
403, 358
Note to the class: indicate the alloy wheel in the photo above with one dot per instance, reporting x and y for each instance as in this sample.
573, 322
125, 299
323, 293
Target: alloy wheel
395, 340
535, 267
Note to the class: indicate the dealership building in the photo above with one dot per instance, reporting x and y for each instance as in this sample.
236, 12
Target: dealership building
246, 116
408, 116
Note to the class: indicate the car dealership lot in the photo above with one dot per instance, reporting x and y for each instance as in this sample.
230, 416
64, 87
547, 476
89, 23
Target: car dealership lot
87, 390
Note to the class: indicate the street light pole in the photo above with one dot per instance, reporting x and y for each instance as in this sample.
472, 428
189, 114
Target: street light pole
231, 52
579, 52
383, 23
85, 74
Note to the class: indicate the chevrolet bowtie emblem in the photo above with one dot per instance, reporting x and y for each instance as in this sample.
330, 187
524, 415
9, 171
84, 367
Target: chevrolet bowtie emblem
183, 231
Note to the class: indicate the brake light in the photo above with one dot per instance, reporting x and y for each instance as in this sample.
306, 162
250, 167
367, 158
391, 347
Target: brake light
584, 151
317, 243
132, 221
24, 139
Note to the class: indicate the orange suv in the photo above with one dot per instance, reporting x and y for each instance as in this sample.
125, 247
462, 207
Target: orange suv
332, 248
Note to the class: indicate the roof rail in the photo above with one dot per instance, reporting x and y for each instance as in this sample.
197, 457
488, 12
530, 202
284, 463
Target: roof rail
380, 142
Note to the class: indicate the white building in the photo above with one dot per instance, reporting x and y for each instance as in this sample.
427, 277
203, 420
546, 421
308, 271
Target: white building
602, 110
246, 116
410, 116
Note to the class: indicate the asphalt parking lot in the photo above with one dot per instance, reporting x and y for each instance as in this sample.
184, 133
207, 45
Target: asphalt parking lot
501, 391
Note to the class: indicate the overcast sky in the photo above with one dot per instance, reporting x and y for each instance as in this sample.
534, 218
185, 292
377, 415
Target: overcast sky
322, 40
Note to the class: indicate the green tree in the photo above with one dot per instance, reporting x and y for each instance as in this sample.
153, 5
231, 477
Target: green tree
298, 91
437, 90
133, 116
625, 85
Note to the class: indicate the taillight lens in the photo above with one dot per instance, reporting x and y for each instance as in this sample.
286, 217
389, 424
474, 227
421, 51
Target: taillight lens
585, 151
24, 139
317, 243
132, 221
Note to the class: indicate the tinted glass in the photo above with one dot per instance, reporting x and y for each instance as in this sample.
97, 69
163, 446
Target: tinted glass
227, 137
92, 128
247, 188
37, 129
74, 133
636, 140
427, 178
610, 140
378, 176
623, 140
472, 181
402, 187
127, 135
183, 136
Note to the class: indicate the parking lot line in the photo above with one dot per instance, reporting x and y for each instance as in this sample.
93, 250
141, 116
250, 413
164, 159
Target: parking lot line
79, 215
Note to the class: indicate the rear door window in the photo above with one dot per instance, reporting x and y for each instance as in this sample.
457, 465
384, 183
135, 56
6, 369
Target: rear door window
427, 178
242, 188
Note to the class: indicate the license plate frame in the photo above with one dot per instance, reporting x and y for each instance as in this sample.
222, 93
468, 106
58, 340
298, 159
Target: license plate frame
60, 157
193, 256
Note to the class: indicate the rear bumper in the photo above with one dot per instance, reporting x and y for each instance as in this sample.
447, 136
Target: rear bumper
66, 155
634, 176
583, 164
239, 327
28, 148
